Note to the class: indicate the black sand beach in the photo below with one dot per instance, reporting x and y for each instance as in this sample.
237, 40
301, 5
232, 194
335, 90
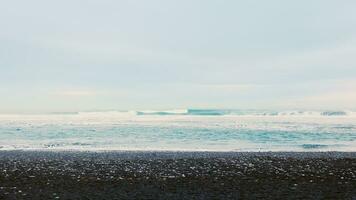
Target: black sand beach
176, 175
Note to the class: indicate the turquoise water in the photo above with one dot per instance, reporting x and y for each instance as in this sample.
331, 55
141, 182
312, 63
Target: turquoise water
181, 130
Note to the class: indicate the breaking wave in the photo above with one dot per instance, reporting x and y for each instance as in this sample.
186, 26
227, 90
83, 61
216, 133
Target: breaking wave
222, 112
181, 130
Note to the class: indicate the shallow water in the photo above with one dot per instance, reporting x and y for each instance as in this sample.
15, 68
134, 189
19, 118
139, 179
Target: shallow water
197, 130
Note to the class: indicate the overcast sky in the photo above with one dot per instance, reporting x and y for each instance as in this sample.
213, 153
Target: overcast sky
77, 55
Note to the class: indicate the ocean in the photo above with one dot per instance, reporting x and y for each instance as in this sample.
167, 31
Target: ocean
181, 130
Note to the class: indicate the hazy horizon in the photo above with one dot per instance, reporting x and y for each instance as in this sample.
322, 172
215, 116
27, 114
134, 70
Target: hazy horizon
71, 56
194, 112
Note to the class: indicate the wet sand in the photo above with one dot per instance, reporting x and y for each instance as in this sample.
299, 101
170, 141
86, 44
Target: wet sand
177, 175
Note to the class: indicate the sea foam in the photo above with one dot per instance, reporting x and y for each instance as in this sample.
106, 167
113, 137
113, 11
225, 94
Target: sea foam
182, 130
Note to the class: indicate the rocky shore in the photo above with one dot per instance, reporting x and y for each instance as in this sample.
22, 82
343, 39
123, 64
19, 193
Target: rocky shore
177, 175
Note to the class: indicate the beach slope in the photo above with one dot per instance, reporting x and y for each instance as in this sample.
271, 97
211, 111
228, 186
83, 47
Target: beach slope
177, 175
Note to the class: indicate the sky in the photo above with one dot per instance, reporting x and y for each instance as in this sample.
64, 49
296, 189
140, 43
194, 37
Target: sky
89, 55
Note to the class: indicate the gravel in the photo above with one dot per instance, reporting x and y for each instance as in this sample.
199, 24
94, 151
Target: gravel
177, 175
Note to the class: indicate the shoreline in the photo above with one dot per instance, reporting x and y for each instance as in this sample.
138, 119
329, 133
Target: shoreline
164, 154
177, 175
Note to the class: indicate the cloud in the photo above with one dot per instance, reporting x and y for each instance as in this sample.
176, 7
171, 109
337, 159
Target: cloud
233, 87
75, 93
341, 95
